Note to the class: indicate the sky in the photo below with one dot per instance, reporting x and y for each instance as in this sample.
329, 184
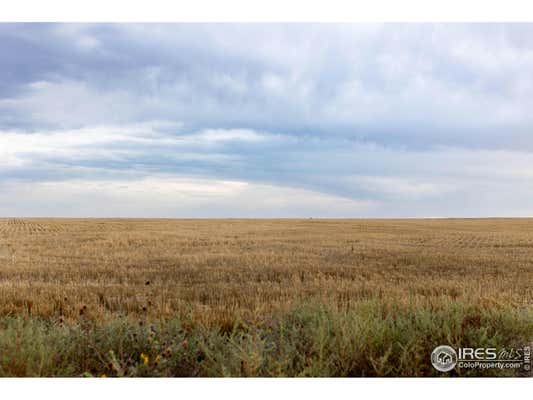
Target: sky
266, 120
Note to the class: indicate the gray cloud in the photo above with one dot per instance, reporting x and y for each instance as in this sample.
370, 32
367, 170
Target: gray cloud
409, 120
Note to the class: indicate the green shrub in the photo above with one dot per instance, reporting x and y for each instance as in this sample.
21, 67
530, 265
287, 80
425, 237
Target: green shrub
372, 339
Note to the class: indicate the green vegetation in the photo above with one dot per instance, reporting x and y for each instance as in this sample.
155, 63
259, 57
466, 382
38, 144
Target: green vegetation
374, 339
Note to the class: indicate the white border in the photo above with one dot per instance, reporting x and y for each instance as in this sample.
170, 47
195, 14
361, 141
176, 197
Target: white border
268, 11
265, 389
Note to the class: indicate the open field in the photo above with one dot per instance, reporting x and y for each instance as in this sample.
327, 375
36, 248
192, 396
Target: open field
259, 297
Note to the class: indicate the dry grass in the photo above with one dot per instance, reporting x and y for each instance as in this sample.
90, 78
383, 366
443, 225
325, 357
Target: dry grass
126, 266
222, 271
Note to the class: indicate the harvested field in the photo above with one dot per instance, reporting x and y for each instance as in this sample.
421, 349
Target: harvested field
425, 282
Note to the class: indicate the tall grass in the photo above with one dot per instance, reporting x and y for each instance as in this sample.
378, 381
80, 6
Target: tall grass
306, 340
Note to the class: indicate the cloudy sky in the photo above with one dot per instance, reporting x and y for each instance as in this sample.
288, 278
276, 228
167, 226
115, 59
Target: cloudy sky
259, 120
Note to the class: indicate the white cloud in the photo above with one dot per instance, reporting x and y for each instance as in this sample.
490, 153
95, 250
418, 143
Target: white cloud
224, 135
461, 85
170, 197
415, 120
115, 142
401, 187
68, 103
133, 162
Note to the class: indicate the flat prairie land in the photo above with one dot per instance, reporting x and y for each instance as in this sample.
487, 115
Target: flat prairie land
230, 297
